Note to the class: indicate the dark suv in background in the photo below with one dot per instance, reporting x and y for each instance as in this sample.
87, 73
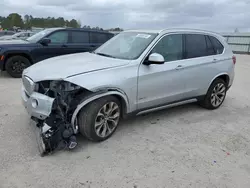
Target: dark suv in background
16, 55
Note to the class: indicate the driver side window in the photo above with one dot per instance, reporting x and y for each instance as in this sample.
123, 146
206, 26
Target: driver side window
59, 37
170, 47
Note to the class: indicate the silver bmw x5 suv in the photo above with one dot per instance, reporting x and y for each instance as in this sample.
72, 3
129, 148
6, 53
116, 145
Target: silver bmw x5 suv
135, 72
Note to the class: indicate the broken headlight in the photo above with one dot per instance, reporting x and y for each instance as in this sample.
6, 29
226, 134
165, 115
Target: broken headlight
63, 86
51, 86
28, 85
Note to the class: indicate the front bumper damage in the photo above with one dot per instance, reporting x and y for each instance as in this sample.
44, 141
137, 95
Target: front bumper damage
54, 130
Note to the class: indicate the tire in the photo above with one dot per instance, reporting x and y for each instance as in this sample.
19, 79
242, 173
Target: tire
92, 119
217, 89
15, 65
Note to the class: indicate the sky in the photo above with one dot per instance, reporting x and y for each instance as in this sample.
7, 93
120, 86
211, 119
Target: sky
216, 15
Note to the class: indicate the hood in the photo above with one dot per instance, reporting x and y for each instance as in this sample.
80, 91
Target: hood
61, 67
12, 41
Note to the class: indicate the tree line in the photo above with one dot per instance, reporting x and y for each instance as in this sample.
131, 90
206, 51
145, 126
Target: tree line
28, 21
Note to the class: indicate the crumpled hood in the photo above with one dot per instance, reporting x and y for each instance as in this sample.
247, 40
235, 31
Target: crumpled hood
64, 66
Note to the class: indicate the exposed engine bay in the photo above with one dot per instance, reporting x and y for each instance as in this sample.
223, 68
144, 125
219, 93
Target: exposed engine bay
56, 131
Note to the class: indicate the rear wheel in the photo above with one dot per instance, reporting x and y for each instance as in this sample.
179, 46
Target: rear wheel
15, 65
99, 119
216, 95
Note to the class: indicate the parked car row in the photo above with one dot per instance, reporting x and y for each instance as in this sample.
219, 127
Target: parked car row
16, 55
6, 33
19, 35
134, 72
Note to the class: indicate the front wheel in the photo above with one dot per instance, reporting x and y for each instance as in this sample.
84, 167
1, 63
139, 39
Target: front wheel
99, 119
216, 95
15, 65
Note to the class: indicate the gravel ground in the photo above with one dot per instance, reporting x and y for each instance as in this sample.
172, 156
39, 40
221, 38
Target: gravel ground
185, 146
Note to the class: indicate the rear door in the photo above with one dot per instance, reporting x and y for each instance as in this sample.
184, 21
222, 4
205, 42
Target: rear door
79, 42
199, 64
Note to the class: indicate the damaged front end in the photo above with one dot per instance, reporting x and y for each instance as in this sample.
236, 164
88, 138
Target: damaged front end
51, 105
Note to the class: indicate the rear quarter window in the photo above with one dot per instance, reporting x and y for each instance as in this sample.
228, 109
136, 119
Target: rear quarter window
217, 45
210, 47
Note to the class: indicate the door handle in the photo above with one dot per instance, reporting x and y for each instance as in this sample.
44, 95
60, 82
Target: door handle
179, 67
64, 46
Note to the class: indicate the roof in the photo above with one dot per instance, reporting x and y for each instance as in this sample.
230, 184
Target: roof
144, 31
79, 29
169, 30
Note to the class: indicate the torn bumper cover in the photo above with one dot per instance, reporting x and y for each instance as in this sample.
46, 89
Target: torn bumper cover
37, 105
53, 131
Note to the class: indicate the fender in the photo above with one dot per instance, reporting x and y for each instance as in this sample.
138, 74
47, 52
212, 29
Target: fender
24, 53
95, 96
218, 75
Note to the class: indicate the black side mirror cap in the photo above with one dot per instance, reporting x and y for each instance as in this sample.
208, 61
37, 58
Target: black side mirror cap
45, 41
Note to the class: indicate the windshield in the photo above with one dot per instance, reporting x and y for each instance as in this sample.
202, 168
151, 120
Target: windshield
36, 37
16, 35
126, 45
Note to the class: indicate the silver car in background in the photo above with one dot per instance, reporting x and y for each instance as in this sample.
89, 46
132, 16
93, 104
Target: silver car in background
135, 72
20, 35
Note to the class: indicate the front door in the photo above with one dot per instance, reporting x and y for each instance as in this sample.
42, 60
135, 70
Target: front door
163, 84
57, 46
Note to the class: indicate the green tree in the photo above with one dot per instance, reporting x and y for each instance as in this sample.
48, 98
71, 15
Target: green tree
29, 21
73, 23
79, 24
14, 19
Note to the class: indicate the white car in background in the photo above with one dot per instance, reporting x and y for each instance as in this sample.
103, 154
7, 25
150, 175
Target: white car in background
19, 35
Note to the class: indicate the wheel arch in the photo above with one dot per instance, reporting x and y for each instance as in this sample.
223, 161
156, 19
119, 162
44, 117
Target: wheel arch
224, 76
122, 97
9, 55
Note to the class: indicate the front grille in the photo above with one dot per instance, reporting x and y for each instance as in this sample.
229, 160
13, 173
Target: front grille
28, 84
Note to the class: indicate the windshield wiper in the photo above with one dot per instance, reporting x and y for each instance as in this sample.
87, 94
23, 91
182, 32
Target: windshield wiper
106, 55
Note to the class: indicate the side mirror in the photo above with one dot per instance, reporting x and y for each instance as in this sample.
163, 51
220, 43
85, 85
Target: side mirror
45, 41
155, 58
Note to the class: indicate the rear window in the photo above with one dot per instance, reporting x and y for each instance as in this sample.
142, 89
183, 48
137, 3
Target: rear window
79, 37
98, 37
217, 45
195, 45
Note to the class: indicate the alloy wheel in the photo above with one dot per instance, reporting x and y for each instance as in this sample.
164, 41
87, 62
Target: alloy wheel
107, 119
218, 94
18, 66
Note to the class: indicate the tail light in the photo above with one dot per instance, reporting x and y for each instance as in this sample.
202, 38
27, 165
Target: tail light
234, 59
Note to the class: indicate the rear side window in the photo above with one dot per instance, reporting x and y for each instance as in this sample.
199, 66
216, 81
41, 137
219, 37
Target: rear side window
195, 45
79, 37
217, 45
98, 37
